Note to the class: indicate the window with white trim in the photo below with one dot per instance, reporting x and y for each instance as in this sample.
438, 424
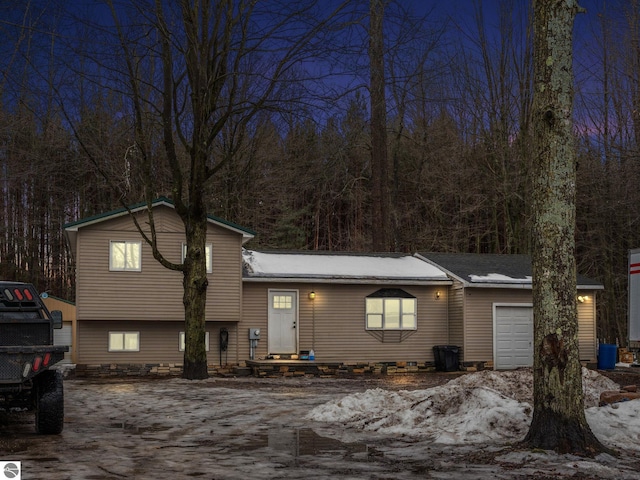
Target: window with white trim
282, 302
208, 251
124, 256
124, 341
181, 341
391, 309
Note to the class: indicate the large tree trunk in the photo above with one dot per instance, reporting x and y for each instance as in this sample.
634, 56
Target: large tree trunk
559, 421
195, 296
379, 159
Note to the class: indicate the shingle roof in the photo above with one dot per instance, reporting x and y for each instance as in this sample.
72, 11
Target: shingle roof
492, 269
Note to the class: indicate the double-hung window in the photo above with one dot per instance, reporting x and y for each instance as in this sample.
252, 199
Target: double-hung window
208, 251
391, 309
124, 341
125, 256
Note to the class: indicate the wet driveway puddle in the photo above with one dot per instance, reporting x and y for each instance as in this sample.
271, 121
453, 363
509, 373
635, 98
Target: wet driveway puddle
304, 441
131, 428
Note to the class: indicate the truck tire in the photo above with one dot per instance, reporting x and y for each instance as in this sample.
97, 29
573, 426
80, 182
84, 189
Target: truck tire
49, 403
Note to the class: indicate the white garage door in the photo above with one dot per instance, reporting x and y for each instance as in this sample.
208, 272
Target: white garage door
513, 339
63, 337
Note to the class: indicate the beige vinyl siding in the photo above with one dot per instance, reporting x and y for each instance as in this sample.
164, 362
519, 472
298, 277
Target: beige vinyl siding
224, 293
479, 319
587, 328
158, 342
456, 316
155, 293
334, 323
254, 309
68, 309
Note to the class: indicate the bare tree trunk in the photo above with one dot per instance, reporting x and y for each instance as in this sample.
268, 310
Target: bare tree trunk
379, 158
559, 421
195, 295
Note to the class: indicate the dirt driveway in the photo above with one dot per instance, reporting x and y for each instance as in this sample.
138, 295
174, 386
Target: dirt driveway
249, 428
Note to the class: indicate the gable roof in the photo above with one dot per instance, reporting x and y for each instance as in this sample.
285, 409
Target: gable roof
493, 270
335, 267
72, 228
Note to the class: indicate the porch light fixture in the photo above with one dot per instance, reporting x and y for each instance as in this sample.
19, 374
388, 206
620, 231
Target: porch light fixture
312, 295
582, 298
437, 294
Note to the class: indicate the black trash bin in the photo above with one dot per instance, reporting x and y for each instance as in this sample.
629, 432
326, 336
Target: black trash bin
446, 357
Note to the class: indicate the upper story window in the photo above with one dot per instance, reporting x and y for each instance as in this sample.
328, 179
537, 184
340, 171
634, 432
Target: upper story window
391, 309
125, 256
208, 255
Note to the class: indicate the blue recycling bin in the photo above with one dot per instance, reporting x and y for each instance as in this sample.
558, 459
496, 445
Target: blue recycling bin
607, 356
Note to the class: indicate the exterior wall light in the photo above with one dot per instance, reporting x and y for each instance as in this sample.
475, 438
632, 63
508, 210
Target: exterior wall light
582, 298
312, 295
437, 294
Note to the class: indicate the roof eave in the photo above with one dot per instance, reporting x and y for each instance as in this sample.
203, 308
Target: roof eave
74, 226
345, 280
523, 286
246, 233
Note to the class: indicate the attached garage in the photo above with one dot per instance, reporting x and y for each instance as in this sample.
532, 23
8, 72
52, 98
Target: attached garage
490, 309
513, 336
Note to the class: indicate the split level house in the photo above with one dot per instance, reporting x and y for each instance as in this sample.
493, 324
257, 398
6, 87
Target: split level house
347, 308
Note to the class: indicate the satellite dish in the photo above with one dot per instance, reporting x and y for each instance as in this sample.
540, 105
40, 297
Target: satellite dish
44, 295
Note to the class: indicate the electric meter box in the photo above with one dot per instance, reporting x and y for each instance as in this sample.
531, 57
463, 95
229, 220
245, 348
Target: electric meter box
254, 334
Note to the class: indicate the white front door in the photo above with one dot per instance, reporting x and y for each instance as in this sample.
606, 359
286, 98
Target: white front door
283, 321
513, 338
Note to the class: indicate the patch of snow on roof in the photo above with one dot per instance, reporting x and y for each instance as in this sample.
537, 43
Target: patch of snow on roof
497, 278
303, 265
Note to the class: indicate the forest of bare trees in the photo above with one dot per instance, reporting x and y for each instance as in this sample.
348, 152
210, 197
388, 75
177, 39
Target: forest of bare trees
458, 92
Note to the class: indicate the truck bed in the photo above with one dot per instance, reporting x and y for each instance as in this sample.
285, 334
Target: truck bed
20, 363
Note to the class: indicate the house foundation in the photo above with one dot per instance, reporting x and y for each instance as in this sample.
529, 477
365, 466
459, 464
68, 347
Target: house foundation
267, 369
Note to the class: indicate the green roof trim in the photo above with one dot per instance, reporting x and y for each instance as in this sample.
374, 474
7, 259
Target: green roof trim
139, 206
53, 297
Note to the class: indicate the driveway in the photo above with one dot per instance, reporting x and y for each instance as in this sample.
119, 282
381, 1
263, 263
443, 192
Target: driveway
248, 428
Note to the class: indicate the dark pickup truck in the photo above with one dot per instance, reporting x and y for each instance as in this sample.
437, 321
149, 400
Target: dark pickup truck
27, 353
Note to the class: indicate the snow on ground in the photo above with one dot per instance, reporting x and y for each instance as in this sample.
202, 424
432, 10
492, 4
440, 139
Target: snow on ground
483, 407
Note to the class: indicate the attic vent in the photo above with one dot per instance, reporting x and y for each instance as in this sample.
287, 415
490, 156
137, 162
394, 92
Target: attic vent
390, 293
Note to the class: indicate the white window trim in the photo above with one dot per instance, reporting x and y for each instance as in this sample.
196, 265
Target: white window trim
181, 339
209, 258
400, 328
125, 269
137, 349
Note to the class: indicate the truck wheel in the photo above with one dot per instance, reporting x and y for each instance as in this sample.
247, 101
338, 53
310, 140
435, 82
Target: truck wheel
49, 403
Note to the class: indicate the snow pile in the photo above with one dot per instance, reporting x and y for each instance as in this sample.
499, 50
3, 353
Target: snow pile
518, 384
481, 407
593, 384
450, 413
617, 425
